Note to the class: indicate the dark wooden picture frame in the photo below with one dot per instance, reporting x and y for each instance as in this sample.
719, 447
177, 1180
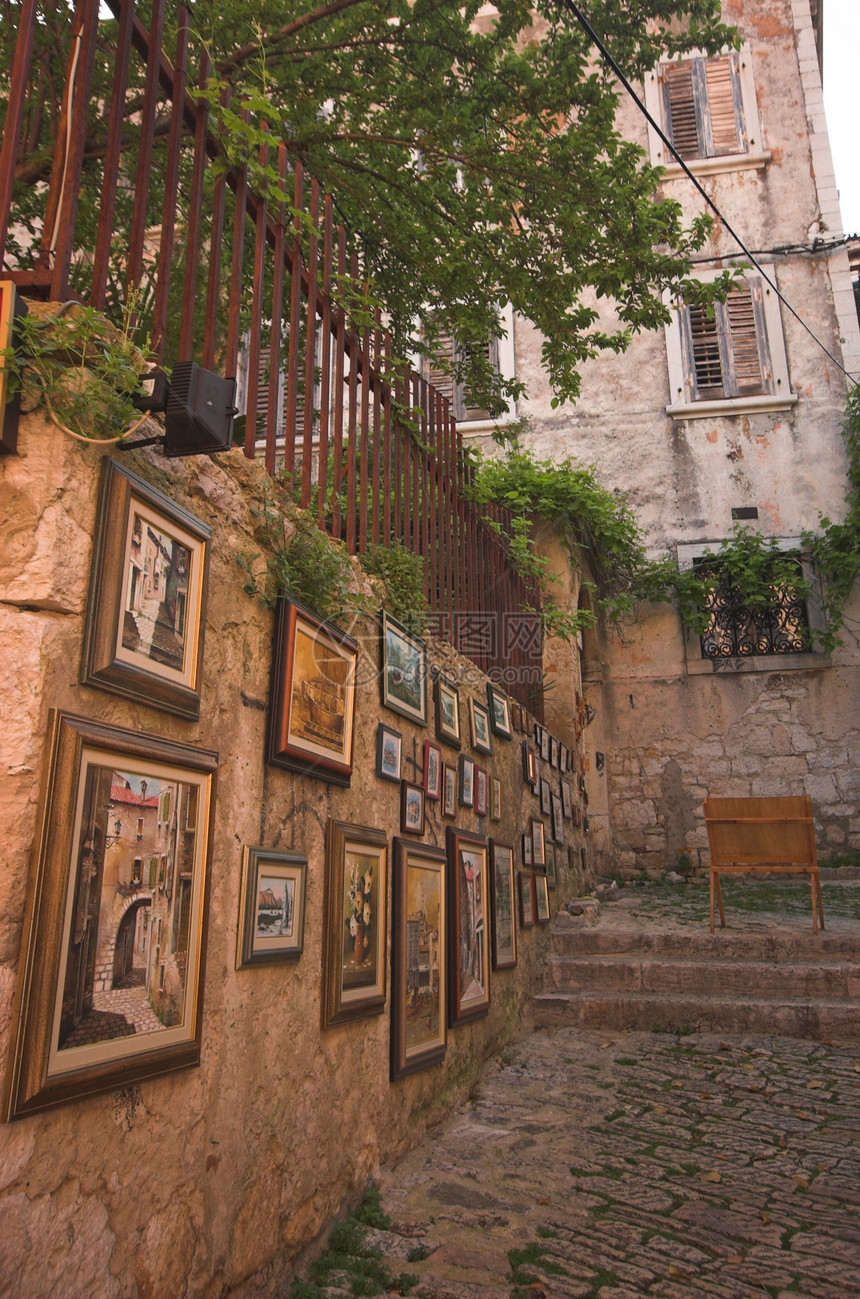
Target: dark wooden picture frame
538, 843
467, 782
355, 931
312, 709
271, 907
482, 790
432, 770
479, 727
449, 791
412, 808
146, 611
447, 700
468, 927
504, 905
403, 671
389, 753
121, 861
528, 899
419, 962
499, 709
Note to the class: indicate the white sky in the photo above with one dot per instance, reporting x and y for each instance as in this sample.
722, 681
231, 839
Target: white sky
842, 102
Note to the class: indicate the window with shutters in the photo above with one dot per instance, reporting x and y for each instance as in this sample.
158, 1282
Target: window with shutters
729, 357
739, 638
707, 108
438, 371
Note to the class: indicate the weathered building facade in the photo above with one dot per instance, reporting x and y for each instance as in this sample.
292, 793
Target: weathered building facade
716, 422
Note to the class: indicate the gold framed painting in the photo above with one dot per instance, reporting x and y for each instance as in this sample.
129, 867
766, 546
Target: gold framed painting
418, 958
312, 709
504, 905
355, 937
146, 613
111, 977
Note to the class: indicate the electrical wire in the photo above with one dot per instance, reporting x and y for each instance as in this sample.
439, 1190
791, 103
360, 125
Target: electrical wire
610, 61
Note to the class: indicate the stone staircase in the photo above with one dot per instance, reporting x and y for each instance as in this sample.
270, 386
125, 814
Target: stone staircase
789, 984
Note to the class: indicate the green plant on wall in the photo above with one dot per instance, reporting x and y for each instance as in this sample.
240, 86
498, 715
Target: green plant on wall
82, 369
402, 577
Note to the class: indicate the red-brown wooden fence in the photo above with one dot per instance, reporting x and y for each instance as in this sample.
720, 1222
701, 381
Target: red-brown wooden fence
236, 280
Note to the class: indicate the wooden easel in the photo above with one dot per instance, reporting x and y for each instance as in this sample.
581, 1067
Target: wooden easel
752, 835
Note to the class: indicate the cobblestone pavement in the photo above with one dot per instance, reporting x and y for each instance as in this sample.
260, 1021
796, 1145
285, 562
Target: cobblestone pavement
633, 1164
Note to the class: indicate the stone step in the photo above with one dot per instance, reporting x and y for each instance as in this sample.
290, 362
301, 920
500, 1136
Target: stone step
724, 945
820, 1020
635, 973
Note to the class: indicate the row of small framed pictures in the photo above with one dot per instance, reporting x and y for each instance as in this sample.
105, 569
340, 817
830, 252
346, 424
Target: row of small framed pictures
467, 785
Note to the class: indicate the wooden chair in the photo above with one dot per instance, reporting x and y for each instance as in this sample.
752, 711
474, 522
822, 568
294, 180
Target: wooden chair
748, 835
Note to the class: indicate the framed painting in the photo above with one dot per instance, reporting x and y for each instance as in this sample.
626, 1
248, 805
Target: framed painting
566, 799
468, 927
419, 967
467, 781
146, 612
530, 768
553, 751
432, 770
527, 849
411, 808
355, 931
557, 819
541, 900
110, 986
545, 796
538, 843
543, 744
389, 752
404, 671
447, 698
565, 758
271, 907
495, 799
551, 866
312, 709
479, 726
500, 712
449, 791
504, 917
528, 901
482, 791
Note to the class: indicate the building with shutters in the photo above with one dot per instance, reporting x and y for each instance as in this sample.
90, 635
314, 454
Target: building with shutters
725, 418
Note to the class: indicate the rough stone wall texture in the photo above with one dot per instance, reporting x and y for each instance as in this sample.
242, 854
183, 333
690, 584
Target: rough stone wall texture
668, 737
205, 1182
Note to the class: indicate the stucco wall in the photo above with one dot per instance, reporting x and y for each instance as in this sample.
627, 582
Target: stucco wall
206, 1181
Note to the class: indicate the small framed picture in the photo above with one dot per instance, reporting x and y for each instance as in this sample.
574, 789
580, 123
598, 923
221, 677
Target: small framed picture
553, 751
482, 791
271, 907
528, 902
311, 720
355, 933
449, 791
479, 724
447, 698
551, 866
541, 900
557, 819
565, 758
566, 799
467, 781
500, 712
504, 906
404, 671
389, 749
146, 613
543, 747
527, 849
530, 768
545, 796
419, 961
432, 770
538, 843
411, 808
495, 799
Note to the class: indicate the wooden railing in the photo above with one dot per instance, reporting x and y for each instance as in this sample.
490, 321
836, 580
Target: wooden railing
245, 281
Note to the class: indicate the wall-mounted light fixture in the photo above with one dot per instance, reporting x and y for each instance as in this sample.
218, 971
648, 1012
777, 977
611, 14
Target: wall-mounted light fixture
198, 410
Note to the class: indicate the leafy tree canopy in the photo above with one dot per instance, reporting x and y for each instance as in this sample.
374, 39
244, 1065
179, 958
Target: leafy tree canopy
472, 150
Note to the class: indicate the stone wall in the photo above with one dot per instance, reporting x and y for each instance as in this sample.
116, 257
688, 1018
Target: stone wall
210, 1180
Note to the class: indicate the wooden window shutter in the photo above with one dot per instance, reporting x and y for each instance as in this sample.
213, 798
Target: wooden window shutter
703, 108
437, 371
707, 362
746, 339
726, 354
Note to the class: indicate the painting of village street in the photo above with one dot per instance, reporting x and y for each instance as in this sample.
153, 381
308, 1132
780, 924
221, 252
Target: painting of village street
129, 946
155, 620
424, 992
